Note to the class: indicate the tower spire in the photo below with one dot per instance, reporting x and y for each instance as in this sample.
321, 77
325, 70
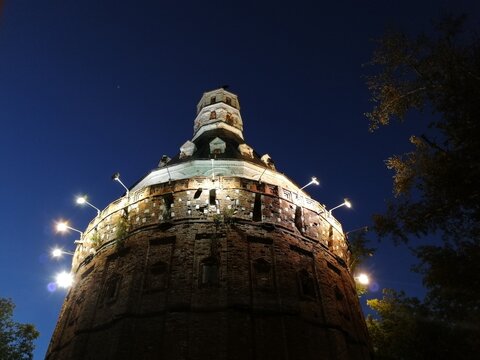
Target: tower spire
218, 108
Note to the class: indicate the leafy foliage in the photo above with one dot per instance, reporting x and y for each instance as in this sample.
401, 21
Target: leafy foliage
359, 250
435, 185
16, 340
408, 329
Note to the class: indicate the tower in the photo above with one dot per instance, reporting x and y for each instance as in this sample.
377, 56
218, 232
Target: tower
212, 255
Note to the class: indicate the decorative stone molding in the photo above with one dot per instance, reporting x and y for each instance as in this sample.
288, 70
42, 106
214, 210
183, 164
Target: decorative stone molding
187, 149
217, 146
245, 150
268, 161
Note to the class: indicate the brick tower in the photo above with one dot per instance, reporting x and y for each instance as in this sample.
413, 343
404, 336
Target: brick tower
212, 255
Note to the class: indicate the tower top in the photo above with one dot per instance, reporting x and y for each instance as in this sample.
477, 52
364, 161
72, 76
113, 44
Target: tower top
218, 108
218, 96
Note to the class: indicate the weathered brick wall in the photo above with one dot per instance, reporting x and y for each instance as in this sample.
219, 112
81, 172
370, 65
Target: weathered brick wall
177, 271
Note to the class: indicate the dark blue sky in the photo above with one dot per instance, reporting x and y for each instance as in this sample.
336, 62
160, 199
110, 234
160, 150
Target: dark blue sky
91, 87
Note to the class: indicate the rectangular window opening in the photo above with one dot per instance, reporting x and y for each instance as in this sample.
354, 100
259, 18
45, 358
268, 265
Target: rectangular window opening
257, 207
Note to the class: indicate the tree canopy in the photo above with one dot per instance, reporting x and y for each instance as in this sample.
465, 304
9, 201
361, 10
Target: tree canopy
16, 340
436, 188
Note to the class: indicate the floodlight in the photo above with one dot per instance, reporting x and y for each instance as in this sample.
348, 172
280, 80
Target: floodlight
116, 177
83, 200
63, 226
59, 252
346, 203
314, 181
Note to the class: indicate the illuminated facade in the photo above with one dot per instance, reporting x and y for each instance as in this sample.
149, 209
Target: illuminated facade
213, 255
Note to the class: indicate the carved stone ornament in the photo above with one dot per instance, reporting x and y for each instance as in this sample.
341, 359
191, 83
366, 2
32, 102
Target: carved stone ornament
187, 149
217, 146
245, 150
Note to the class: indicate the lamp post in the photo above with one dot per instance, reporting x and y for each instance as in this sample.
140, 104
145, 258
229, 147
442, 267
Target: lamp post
313, 181
260, 178
346, 203
83, 200
116, 177
56, 253
63, 226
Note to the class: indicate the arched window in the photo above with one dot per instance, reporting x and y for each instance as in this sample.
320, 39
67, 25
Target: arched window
213, 115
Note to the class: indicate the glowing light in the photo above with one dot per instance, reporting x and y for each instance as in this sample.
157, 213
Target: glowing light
363, 279
64, 279
314, 181
56, 252
81, 200
62, 226
346, 203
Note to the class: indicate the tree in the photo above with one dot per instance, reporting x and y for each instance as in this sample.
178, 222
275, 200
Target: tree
359, 252
406, 328
16, 340
436, 184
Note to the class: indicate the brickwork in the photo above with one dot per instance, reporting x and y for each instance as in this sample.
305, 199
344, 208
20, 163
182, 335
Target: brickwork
224, 269
212, 255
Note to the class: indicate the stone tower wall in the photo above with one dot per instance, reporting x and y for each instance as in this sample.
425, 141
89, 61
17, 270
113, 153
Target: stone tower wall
223, 269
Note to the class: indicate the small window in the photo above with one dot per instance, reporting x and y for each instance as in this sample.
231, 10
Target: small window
338, 294
213, 115
198, 193
157, 276
213, 100
299, 219
209, 272
257, 208
330, 237
168, 199
228, 101
111, 288
212, 199
307, 285
263, 274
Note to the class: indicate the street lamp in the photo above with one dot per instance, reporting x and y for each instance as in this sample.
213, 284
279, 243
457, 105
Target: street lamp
83, 200
362, 279
63, 226
116, 177
313, 181
64, 279
346, 203
59, 252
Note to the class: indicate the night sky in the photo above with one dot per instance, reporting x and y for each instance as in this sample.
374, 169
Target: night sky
91, 87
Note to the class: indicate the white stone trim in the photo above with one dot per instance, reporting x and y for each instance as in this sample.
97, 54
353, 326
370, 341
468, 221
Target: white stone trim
218, 125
